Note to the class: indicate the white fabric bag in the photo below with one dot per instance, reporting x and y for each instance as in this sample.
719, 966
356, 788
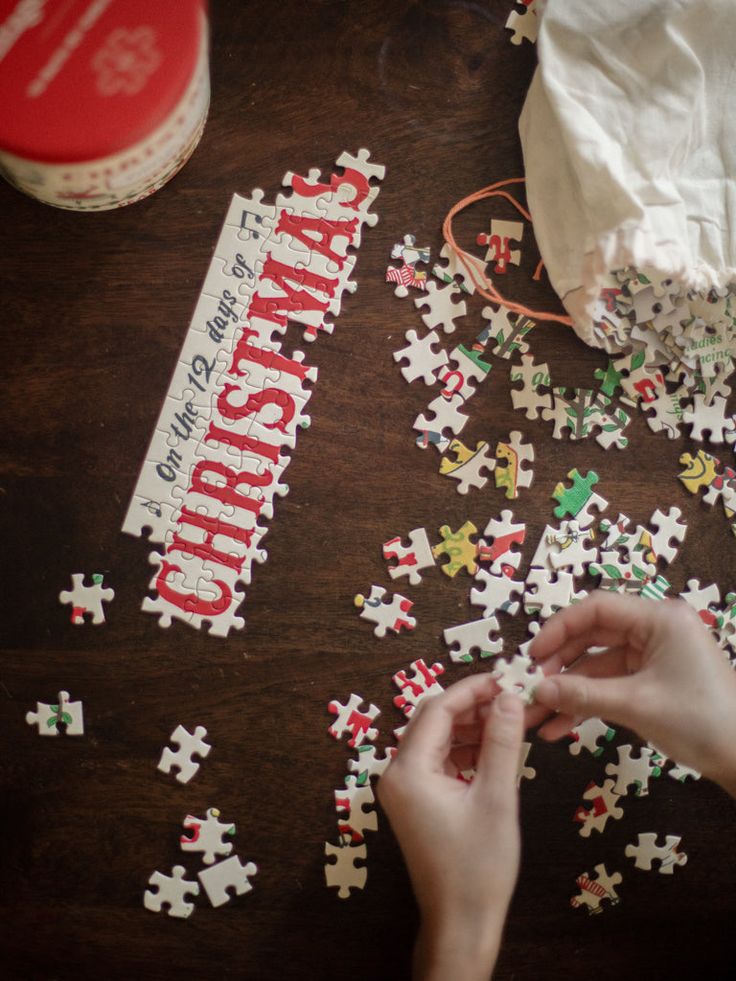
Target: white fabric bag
629, 140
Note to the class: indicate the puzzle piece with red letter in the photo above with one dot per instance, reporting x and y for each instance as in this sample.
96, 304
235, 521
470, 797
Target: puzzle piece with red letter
411, 558
533, 377
352, 800
64, 716
369, 764
421, 684
509, 474
171, 893
465, 371
87, 600
390, 613
468, 466
587, 735
354, 719
442, 311
459, 548
206, 835
647, 851
520, 675
498, 240
595, 890
497, 545
633, 770
343, 874
190, 745
603, 806
481, 635
422, 360
407, 274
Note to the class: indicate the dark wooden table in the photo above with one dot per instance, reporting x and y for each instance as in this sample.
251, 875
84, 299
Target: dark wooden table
94, 311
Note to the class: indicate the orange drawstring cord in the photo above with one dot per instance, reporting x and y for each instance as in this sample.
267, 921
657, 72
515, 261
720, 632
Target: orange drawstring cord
476, 268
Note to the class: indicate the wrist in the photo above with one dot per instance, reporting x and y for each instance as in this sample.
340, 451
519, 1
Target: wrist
449, 949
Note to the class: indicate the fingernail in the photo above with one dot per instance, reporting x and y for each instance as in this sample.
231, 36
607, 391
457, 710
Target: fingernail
506, 703
548, 692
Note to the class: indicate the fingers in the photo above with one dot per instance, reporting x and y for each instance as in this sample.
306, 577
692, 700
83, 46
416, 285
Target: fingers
428, 737
580, 697
603, 618
498, 760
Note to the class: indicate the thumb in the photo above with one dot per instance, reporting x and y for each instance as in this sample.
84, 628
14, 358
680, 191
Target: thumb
498, 761
582, 697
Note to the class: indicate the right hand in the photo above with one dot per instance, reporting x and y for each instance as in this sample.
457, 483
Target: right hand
662, 675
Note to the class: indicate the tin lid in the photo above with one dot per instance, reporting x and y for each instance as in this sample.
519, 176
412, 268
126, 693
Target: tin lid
83, 79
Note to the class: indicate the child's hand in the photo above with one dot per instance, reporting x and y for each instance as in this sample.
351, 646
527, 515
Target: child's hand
662, 675
460, 841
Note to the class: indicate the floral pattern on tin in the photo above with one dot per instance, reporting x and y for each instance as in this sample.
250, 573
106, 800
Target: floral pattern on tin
126, 61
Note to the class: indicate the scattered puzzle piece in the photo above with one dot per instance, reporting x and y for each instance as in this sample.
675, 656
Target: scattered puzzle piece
390, 613
170, 893
571, 552
87, 600
647, 851
705, 418
442, 311
578, 500
533, 377
453, 270
446, 414
460, 550
604, 801
503, 533
183, 759
524, 23
369, 764
353, 799
468, 466
548, 592
411, 558
421, 684
206, 835
406, 274
343, 874
230, 874
508, 332
587, 735
64, 716
496, 592
422, 360
354, 719
633, 770
593, 891
475, 635
510, 476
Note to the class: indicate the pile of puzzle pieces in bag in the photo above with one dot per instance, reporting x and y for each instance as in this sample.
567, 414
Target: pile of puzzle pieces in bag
224, 873
583, 545
236, 402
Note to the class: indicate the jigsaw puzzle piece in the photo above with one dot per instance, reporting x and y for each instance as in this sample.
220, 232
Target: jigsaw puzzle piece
587, 735
570, 552
459, 548
499, 538
190, 745
218, 879
407, 275
468, 466
594, 890
603, 805
387, 611
498, 240
446, 415
87, 600
411, 558
533, 377
64, 717
369, 764
524, 23
343, 874
480, 635
496, 593
546, 592
510, 474
647, 851
578, 500
352, 800
422, 360
352, 718
171, 892
442, 310
453, 271
206, 835
520, 675
633, 770
507, 331
420, 684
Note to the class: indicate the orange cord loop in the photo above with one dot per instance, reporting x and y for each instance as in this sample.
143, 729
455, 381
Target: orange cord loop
475, 268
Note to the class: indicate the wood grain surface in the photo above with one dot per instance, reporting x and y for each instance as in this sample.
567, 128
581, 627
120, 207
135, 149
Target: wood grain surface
94, 310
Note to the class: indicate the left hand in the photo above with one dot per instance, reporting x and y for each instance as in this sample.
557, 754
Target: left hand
460, 840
